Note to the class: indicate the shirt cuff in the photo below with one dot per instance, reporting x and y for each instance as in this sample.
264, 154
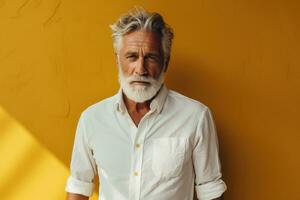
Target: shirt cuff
210, 190
79, 187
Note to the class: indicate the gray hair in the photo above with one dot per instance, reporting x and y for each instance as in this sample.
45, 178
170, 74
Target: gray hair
139, 19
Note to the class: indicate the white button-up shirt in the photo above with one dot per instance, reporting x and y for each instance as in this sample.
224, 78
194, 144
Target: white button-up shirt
173, 151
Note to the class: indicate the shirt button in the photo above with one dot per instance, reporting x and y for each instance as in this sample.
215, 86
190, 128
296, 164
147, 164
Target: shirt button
137, 145
135, 174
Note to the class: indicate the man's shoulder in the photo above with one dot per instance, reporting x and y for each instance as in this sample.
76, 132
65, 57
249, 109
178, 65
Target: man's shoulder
184, 102
103, 105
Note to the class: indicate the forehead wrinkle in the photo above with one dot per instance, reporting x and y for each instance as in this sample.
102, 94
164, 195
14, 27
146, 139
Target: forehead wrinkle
138, 41
141, 45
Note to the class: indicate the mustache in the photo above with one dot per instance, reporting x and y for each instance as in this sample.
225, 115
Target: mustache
140, 78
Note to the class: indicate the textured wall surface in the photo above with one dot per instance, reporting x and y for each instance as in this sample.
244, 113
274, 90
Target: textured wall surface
240, 57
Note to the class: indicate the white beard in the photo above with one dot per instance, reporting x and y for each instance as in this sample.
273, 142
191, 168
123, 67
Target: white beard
140, 93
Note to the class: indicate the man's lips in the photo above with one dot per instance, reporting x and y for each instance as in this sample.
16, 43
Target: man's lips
140, 82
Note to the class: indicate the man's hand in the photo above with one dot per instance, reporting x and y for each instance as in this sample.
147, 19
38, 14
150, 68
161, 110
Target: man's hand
72, 196
220, 198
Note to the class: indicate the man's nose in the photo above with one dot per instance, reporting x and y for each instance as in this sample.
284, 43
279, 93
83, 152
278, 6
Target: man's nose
140, 68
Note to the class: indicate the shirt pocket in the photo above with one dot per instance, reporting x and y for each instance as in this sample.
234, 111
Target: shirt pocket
168, 156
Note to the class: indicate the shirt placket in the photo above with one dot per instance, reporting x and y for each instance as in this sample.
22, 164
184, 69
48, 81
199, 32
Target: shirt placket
137, 158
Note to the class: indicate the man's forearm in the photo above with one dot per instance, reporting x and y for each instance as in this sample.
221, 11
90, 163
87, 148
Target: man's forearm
72, 196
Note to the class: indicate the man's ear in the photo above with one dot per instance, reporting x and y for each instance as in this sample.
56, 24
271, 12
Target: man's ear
116, 57
167, 63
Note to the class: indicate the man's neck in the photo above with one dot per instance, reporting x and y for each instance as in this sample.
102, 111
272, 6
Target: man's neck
135, 107
137, 110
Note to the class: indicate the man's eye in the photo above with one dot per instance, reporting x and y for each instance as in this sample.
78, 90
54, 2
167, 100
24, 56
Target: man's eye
131, 57
152, 57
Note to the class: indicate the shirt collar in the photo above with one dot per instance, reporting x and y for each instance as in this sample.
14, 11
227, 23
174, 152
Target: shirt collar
156, 104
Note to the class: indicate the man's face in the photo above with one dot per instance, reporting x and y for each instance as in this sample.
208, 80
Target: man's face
140, 63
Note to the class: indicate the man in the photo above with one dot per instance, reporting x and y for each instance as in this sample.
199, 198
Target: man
147, 142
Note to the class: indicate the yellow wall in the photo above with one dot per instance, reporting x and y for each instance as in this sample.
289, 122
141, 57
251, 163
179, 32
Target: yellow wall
241, 58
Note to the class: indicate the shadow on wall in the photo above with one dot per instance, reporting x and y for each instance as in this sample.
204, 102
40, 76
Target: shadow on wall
26, 165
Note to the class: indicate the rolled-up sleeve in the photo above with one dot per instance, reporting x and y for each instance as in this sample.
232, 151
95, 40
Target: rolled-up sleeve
207, 166
83, 167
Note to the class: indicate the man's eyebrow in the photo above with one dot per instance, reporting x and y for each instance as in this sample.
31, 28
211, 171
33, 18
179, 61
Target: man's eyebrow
153, 53
130, 53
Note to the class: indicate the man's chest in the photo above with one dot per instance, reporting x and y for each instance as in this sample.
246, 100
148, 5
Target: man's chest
157, 147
